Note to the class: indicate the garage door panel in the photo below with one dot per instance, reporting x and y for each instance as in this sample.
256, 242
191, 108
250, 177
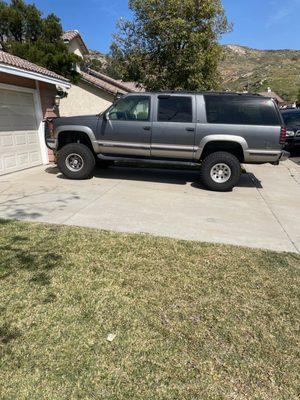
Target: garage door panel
23, 159
7, 140
35, 158
10, 162
19, 140
32, 138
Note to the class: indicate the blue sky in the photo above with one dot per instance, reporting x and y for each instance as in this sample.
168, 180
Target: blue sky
262, 24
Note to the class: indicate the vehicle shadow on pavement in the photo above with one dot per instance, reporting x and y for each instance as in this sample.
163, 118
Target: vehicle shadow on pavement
158, 175
295, 156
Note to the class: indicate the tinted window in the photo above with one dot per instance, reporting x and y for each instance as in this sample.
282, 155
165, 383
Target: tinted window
133, 108
175, 109
291, 118
241, 110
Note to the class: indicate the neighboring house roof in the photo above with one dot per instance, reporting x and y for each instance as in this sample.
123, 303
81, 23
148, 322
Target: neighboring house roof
108, 84
10, 63
272, 95
68, 36
98, 79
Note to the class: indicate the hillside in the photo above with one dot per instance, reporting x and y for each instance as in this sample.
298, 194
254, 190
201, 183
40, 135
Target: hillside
243, 66
279, 69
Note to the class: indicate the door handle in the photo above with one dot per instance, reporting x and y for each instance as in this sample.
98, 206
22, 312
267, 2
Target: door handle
147, 128
190, 129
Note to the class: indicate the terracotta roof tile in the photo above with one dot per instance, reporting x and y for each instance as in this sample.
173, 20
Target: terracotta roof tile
101, 84
272, 95
68, 36
14, 61
108, 84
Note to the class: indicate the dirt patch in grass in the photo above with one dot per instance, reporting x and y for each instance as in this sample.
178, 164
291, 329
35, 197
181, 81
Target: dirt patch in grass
188, 320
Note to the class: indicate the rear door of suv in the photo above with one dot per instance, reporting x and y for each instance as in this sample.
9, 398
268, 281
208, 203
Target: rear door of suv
173, 127
255, 118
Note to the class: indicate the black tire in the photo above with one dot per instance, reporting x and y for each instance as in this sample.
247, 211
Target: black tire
68, 156
228, 176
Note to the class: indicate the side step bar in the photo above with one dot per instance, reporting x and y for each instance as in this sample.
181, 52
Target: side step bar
148, 161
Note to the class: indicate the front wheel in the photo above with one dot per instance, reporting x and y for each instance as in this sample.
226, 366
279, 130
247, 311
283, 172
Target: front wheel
220, 171
76, 161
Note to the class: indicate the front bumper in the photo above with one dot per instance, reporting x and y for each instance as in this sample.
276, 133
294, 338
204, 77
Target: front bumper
51, 144
292, 141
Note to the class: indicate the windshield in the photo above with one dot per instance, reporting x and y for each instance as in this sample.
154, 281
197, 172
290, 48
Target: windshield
291, 118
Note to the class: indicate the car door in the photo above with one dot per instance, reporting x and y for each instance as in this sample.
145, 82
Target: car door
173, 127
126, 129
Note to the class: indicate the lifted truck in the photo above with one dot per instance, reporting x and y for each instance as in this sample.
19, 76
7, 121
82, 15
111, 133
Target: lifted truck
218, 131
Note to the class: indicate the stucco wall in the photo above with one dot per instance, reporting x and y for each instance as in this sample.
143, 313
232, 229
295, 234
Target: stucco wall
74, 47
84, 99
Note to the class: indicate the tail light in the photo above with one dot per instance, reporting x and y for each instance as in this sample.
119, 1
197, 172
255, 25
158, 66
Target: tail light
282, 135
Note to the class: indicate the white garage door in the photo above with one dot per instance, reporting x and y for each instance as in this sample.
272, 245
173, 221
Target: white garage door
19, 141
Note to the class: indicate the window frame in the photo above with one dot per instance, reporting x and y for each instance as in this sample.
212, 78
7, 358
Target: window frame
177, 95
127, 98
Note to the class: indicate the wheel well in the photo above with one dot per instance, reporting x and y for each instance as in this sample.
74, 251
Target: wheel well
231, 147
68, 137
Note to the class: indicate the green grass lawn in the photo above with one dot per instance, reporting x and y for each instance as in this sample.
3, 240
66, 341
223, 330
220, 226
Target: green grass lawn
192, 320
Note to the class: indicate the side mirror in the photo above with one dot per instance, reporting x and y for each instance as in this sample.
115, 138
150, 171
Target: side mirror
106, 116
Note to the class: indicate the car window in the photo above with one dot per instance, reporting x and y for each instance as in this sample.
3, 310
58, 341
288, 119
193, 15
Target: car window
291, 118
132, 108
241, 110
175, 109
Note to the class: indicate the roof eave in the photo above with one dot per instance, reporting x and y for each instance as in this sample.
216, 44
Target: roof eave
9, 69
98, 86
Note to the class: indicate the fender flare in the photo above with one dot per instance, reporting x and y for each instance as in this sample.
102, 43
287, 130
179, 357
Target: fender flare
221, 138
79, 128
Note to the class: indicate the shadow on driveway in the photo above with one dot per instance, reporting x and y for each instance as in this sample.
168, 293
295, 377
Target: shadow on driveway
159, 175
295, 156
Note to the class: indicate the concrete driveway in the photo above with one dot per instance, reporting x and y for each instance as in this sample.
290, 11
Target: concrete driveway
263, 211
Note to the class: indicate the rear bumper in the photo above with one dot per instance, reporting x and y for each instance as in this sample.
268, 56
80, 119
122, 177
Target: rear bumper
284, 155
265, 156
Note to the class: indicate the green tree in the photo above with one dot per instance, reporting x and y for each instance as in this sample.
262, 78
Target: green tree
25, 33
170, 44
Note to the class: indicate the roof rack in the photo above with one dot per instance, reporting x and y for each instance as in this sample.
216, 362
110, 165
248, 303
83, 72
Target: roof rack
204, 93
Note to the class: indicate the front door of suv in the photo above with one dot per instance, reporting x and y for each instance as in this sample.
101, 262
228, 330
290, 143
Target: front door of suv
173, 127
127, 129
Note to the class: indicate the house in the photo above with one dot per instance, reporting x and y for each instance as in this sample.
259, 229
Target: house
95, 91
273, 95
27, 95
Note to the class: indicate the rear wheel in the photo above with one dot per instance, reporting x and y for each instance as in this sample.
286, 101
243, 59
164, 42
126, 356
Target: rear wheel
76, 161
220, 171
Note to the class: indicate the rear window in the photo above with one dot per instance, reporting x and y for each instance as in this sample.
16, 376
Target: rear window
241, 110
175, 109
291, 118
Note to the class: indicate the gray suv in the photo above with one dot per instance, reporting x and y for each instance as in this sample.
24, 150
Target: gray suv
217, 131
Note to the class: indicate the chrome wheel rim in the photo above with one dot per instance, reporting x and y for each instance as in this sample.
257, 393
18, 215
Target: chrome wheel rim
220, 173
74, 162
